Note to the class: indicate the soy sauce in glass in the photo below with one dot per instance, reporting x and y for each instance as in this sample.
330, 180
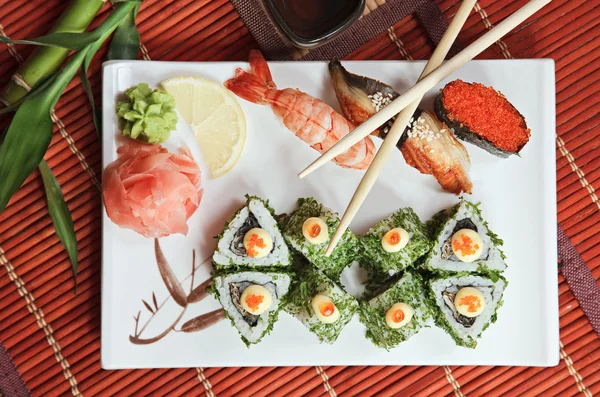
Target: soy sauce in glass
310, 22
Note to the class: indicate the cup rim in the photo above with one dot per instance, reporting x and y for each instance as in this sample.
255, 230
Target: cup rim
313, 42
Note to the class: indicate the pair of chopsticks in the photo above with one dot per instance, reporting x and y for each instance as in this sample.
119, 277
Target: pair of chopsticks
407, 103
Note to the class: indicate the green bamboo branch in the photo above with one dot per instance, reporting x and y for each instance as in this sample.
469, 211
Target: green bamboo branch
46, 60
30, 131
29, 134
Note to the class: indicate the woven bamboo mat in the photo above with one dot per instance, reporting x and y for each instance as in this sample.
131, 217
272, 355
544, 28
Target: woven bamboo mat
54, 336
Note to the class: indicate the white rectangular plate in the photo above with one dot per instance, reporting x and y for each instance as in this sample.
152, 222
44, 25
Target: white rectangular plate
518, 197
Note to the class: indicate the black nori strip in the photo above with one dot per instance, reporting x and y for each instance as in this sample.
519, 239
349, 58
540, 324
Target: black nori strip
237, 243
464, 133
465, 223
447, 252
236, 290
465, 321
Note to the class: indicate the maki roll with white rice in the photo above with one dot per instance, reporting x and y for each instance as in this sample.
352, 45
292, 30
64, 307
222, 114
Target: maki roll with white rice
395, 243
252, 239
320, 304
463, 242
251, 300
397, 313
308, 230
466, 305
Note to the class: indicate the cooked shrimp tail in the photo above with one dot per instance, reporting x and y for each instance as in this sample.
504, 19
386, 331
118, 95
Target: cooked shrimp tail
253, 86
260, 68
249, 86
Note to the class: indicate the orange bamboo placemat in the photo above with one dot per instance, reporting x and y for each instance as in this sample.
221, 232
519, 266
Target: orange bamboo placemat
54, 336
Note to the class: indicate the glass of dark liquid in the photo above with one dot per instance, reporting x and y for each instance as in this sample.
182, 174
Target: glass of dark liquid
310, 23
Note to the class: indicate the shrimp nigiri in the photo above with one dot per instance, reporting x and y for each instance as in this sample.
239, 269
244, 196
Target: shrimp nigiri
311, 119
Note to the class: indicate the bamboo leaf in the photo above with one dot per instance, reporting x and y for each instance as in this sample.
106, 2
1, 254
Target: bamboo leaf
148, 306
61, 217
154, 301
200, 292
68, 40
29, 133
96, 112
125, 43
193, 271
173, 285
203, 321
137, 322
85, 82
94, 47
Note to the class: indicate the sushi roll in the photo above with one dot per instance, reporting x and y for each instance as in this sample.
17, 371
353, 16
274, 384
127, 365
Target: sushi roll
308, 231
466, 305
482, 116
252, 239
397, 313
394, 243
251, 300
463, 242
320, 304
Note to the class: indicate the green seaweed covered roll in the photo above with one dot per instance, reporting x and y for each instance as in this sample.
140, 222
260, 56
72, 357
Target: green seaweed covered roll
397, 313
308, 230
251, 300
463, 242
466, 305
252, 240
320, 304
394, 243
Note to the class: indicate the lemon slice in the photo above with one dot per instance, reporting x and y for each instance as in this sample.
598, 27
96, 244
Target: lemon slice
215, 116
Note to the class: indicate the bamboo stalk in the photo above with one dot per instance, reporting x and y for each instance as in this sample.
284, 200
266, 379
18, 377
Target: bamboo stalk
46, 60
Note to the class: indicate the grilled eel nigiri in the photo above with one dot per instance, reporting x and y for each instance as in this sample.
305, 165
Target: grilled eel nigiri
427, 144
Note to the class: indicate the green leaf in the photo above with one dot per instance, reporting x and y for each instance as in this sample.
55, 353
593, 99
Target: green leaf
61, 217
93, 49
125, 43
69, 40
78, 41
25, 143
30, 131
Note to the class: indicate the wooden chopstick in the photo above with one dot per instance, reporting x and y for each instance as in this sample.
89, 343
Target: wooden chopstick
427, 83
429, 78
438, 56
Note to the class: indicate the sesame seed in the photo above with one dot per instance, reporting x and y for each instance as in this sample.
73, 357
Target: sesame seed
421, 130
